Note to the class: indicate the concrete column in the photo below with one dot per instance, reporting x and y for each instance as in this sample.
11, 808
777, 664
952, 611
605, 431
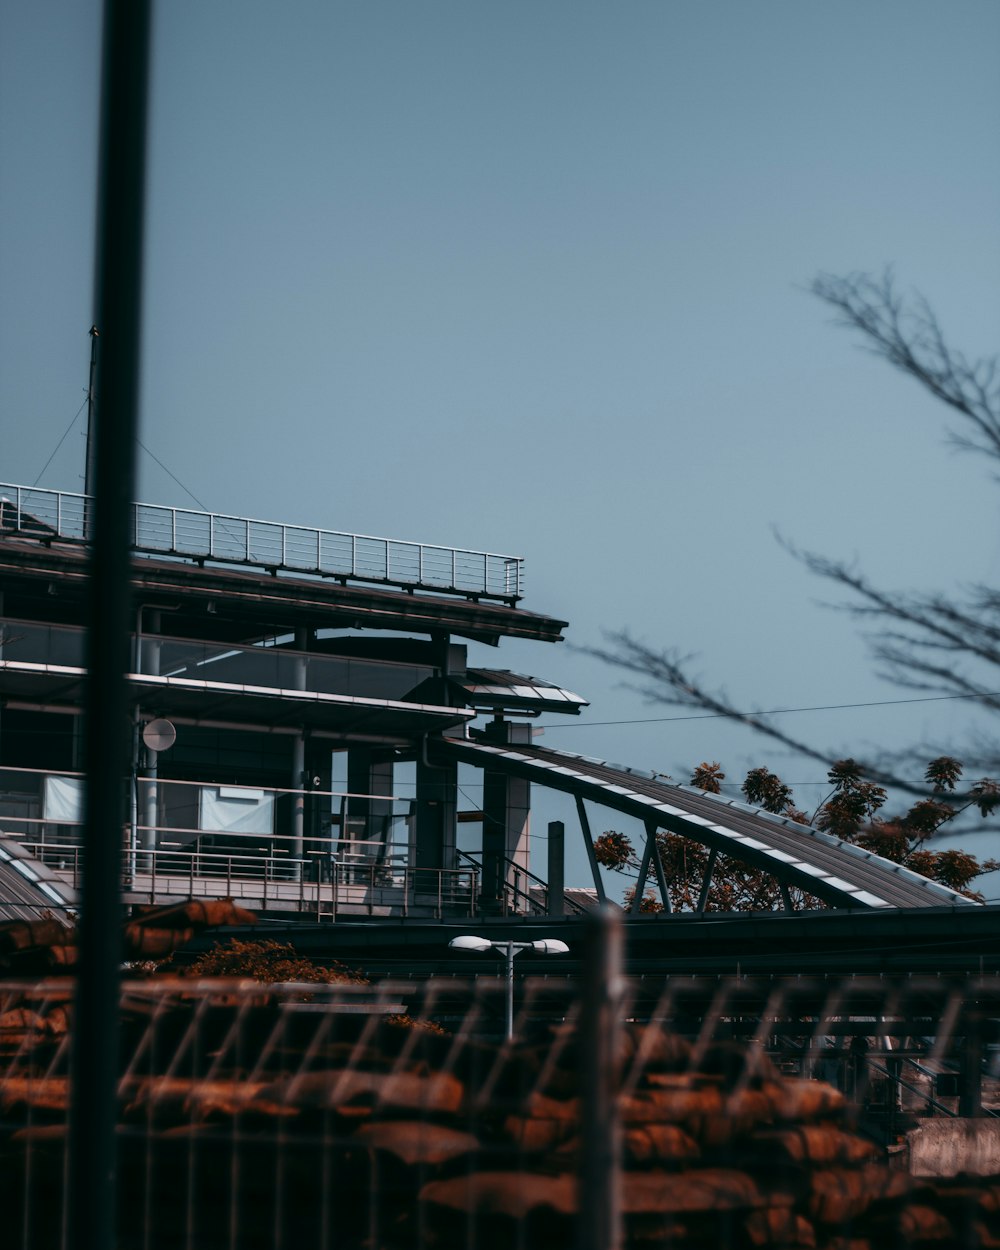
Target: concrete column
970, 1100
506, 824
435, 840
149, 661
149, 642
299, 670
370, 772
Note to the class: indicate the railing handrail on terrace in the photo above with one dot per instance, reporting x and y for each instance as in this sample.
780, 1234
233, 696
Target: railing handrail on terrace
272, 545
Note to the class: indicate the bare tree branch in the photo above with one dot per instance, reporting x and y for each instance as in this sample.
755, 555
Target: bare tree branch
909, 337
665, 680
929, 642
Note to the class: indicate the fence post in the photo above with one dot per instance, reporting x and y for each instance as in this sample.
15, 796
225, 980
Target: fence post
599, 1206
970, 1078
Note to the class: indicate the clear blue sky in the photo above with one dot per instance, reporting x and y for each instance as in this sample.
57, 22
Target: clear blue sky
529, 277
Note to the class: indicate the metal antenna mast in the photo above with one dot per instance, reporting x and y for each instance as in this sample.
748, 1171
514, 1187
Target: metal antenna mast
90, 467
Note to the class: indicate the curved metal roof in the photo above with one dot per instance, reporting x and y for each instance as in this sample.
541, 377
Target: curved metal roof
27, 886
838, 872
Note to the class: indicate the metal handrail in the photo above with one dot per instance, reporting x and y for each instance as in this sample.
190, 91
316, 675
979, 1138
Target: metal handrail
273, 545
878, 1063
289, 880
512, 888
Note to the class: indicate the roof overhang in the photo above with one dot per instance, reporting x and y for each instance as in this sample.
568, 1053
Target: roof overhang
235, 605
501, 690
60, 687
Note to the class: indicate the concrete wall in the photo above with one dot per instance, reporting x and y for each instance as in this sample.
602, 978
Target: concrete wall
946, 1147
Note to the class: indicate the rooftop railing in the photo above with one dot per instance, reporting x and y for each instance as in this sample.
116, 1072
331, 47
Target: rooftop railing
272, 545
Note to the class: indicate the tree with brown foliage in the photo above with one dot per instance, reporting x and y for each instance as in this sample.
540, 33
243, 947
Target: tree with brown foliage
268, 961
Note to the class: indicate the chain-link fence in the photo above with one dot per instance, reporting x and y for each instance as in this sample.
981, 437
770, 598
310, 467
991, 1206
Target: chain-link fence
695, 1112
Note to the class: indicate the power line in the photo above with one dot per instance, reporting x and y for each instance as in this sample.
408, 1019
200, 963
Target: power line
774, 711
59, 444
152, 456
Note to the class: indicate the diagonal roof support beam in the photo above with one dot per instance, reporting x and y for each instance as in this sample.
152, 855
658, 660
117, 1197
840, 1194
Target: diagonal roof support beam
706, 884
640, 885
652, 829
588, 842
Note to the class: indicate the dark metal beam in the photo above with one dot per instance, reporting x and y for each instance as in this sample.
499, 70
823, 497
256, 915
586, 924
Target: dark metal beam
588, 842
640, 885
706, 884
652, 829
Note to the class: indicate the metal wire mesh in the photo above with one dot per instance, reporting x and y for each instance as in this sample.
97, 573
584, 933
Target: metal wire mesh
394, 1116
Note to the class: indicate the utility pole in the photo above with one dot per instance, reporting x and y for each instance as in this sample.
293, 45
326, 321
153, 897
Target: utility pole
90, 466
94, 1074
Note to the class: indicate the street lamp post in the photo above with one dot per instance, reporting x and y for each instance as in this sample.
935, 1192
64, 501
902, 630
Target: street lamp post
510, 950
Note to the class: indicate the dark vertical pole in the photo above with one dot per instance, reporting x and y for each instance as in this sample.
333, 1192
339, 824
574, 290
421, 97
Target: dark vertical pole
557, 868
599, 1205
89, 469
970, 1100
93, 1109
509, 953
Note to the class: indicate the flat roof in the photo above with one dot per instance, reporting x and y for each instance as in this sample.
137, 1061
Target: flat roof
227, 604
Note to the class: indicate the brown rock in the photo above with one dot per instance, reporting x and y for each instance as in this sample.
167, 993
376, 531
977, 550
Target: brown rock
779, 1226
513, 1194
416, 1142
839, 1194
21, 934
351, 1092
822, 1145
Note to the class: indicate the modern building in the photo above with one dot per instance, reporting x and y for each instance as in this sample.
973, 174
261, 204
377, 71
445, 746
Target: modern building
302, 701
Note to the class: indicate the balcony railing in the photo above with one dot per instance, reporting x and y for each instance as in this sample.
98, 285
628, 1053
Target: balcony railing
336, 888
188, 839
272, 545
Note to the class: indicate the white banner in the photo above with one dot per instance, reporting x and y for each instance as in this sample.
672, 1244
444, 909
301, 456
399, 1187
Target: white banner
225, 809
63, 800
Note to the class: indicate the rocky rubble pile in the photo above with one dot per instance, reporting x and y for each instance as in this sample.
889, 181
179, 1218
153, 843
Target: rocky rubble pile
251, 1119
36, 947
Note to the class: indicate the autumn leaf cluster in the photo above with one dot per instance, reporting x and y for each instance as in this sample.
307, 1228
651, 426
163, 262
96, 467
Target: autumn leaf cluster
270, 962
